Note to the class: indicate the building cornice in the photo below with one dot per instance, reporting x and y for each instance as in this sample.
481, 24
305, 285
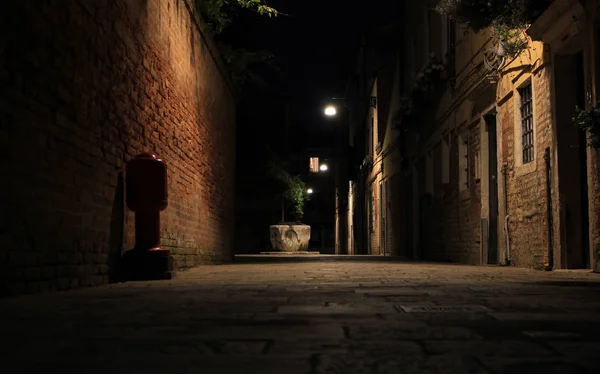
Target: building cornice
557, 20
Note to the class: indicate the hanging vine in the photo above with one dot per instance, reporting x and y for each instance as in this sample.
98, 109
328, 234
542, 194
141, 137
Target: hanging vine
218, 15
508, 19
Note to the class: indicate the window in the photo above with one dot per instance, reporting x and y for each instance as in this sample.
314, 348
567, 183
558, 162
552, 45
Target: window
314, 164
477, 167
527, 122
445, 161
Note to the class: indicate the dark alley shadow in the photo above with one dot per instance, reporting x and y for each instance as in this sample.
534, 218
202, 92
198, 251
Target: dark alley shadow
117, 231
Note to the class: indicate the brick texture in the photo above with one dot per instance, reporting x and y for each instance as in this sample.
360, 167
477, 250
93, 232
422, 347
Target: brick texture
594, 201
527, 192
85, 86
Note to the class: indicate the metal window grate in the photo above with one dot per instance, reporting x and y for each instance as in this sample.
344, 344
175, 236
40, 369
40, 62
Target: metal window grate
527, 123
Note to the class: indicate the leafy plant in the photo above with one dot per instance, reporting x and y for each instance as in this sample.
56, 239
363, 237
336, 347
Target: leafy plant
507, 18
240, 62
294, 190
296, 194
218, 15
589, 121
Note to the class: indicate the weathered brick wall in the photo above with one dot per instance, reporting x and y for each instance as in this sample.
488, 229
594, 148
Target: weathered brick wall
594, 186
374, 235
85, 86
526, 192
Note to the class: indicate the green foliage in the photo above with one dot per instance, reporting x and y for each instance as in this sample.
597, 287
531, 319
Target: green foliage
480, 14
589, 120
218, 14
293, 189
241, 61
513, 40
507, 18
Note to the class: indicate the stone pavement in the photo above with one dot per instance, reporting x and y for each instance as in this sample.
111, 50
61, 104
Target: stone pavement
313, 318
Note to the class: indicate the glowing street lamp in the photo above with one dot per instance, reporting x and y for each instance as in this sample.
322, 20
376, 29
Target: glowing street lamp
323, 167
309, 191
330, 111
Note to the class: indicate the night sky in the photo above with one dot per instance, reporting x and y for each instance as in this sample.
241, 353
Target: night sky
315, 45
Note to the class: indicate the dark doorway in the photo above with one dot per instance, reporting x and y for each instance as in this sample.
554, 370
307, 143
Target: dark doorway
408, 216
492, 255
425, 227
572, 161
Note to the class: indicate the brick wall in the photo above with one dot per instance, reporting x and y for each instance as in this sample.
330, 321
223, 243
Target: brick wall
526, 192
594, 196
374, 243
85, 86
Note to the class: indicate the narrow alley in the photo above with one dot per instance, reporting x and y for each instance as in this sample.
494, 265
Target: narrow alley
313, 316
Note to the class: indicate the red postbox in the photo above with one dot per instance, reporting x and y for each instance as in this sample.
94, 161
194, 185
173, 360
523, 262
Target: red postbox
147, 196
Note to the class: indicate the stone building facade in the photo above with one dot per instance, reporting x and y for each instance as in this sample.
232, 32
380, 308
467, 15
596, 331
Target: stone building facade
493, 171
375, 209
86, 86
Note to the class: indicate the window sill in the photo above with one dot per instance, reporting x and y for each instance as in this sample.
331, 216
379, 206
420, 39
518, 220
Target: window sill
525, 169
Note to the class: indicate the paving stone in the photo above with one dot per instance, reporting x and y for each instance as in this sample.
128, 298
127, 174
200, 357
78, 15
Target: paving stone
399, 363
488, 348
576, 348
240, 346
407, 332
405, 291
348, 317
553, 335
420, 308
557, 316
334, 308
540, 366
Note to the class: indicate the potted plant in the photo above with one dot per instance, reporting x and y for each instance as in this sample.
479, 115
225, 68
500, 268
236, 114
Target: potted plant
290, 236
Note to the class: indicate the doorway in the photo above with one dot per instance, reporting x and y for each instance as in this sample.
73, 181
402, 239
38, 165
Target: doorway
492, 248
414, 203
572, 161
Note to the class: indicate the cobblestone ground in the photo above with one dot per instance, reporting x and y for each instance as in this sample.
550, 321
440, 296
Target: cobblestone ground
313, 317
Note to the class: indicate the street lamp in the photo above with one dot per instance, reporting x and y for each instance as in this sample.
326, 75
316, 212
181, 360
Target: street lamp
323, 167
309, 191
330, 111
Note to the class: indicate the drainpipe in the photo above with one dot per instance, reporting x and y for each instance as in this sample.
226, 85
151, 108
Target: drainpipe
550, 264
506, 231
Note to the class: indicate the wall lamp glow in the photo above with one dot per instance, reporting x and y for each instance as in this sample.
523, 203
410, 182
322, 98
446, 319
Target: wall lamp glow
309, 191
323, 167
